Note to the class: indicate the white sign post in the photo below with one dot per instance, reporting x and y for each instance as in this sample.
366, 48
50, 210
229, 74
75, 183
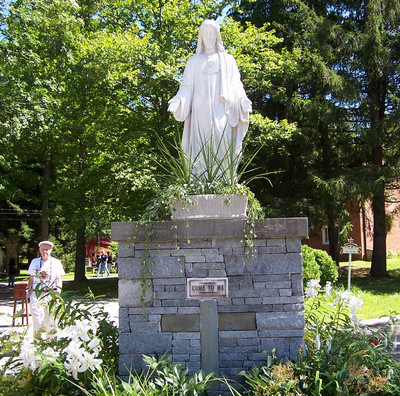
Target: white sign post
350, 248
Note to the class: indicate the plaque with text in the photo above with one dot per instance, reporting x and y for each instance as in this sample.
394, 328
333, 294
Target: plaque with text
207, 288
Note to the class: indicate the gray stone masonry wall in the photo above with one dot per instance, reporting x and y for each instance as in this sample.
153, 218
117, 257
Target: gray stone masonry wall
264, 309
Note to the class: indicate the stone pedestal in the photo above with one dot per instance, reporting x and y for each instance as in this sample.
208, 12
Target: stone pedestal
263, 309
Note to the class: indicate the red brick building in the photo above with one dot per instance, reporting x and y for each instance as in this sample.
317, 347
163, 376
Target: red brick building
362, 232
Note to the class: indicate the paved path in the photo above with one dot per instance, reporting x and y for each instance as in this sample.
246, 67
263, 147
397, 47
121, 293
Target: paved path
7, 305
111, 306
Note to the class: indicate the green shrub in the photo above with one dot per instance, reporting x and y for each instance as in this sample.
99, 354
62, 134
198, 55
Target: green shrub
310, 266
339, 357
317, 264
328, 268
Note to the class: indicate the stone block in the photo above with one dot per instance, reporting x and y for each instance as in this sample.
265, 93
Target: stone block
293, 307
169, 281
272, 250
123, 324
186, 336
190, 310
282, 345
195, 244
130, 293
142, 343
169, 295
297, 284
282, 333
147, 327
195, 259
276, 242
236, 321
280, 320
293, 245
266, 264
214, 258
238, 334
125, 249
129, 363
217, 273
180, 323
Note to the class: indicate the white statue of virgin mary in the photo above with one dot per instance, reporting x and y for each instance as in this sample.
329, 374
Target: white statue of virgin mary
211, 101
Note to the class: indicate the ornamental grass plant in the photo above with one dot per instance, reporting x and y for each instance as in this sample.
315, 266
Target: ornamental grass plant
181, 175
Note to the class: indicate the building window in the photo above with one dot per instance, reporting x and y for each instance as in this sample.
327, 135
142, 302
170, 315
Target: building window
325, 235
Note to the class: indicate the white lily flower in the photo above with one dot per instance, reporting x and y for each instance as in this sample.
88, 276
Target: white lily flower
74, 349
354, 303
81, 329
329, 344
312, 288
74, 366
95, 346
354, 320
50, 352
318, 342
328, 289
90, 361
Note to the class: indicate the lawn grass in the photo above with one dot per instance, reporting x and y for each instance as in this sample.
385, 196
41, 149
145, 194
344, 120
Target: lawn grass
106, 287
381, 296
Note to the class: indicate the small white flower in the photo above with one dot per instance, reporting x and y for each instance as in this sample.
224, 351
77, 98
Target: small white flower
354, 320
328, 289
312, 288
329, 344
390, 374
354, 303
318, 342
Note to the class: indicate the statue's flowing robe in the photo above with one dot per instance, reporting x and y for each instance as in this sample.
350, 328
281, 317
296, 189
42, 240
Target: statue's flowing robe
210, 105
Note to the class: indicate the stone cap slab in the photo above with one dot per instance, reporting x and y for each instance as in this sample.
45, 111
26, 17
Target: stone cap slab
212, 228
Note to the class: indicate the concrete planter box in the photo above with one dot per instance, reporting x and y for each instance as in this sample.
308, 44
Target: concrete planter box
207, 206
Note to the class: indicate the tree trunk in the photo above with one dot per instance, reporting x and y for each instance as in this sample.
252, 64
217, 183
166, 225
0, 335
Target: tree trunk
333, 240
80, 258
11, 245
377, 94
45, 202
378, 265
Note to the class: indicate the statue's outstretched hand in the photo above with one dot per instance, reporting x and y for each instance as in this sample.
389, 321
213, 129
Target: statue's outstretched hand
246, 105
173, 104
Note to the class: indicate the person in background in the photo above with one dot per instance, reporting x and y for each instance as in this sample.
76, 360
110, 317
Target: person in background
103, 264
46, 273
93, 262
12, 271
109, 261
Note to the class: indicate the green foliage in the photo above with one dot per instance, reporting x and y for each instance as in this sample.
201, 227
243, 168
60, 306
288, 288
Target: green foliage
339, 358
56, 364
317, 264
311, 268
329, 269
